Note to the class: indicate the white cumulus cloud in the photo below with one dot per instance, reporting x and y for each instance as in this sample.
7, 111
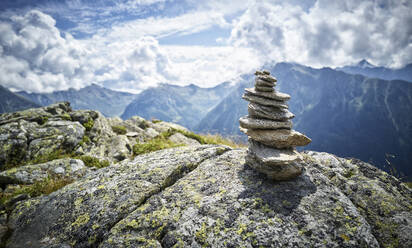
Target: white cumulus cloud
34, 55
330, 33
38, 57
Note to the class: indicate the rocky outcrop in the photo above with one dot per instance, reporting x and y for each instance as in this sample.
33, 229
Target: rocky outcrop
82, 213
36, 132
33, 133
56, 145
189, 196
28, 174
268, 126
207, 196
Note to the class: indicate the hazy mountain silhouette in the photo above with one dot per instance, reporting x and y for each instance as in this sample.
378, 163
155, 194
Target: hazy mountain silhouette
349, 115
11, 102
185, 105
108, 102
367, 69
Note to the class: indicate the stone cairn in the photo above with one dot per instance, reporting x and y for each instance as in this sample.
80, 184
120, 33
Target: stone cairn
268, 126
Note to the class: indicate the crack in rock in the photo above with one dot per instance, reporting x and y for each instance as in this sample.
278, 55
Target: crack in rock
82, 213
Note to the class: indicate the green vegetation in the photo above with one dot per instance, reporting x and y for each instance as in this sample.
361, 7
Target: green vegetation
348, 173
90, 161
16, 156
191, 135
162, 141
44, 187
42, 119
219, 140
85, 140
119, 129
18, 160
158, 143
156, 121
59, 154
144, 124
214, 139
89, 124
409, 184
56, 154
66, 117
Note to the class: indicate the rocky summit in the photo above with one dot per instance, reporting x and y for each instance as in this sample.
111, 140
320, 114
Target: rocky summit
272, 141
191, 195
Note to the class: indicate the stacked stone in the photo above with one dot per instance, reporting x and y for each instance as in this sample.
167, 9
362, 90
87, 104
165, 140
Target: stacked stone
272, 141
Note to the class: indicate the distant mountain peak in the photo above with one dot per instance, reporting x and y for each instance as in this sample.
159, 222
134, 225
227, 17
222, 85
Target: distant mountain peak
365, 64
93, 85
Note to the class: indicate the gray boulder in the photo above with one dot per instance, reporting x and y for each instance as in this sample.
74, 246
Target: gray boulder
179, 138
66, 167
56, 129
28, 134
201, 196
82, 213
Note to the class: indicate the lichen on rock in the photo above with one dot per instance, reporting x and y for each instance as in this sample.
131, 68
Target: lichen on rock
190, 196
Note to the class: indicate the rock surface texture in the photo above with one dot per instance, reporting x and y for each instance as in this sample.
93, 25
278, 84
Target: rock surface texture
190, 196
269, 128
28, 134
205, 196
42, 148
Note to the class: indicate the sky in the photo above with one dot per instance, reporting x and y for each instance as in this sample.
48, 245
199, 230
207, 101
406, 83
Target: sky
130, 45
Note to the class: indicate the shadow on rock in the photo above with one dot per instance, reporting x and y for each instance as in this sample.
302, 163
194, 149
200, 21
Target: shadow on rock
282, 197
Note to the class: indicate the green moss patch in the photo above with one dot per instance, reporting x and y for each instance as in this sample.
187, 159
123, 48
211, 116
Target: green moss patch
144, 124
158, 143
90, 161
57, 154
18, 160
16, 157
119, 129
89, 124
42, 120
162, 141
66, 117
220, 140
156, 121
43, 187
85, 140
205, 139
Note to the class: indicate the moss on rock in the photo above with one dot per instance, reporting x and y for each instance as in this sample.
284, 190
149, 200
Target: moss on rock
119, 129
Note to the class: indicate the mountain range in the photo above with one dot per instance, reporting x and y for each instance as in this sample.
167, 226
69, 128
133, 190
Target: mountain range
343, 111
349, 115
365, 68
108, 102
185, 105
11, 102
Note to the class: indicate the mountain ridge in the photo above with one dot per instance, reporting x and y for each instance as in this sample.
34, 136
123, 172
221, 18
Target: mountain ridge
348, 115
11, 102
365, 68
184, 105
107, 101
